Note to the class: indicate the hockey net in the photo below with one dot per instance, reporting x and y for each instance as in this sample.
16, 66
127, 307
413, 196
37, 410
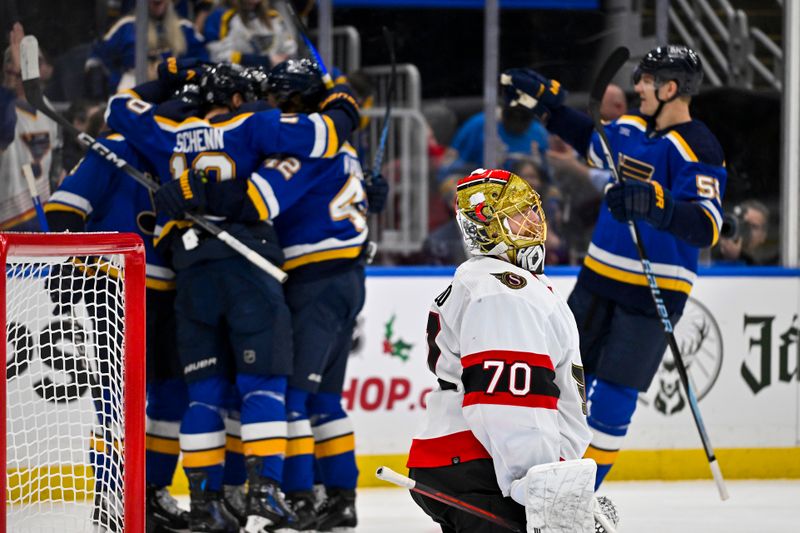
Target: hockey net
73, 322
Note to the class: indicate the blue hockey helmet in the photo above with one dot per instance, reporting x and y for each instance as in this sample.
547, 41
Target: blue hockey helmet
296, 77
676, 63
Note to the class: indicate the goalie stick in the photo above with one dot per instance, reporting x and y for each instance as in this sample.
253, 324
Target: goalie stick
387, 474
29, 59
609, 69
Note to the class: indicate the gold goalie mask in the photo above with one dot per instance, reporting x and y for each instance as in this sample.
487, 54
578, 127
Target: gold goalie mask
500, 214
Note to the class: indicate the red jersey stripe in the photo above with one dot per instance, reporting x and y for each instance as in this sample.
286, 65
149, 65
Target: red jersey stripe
508, 356
446, 450
506, 398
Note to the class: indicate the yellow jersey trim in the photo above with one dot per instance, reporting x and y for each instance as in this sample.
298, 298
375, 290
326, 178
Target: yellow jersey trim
55, 206
326, 255
333, 140
258, 201
631, 278
169, 226
713, 226
675, 136
224, 23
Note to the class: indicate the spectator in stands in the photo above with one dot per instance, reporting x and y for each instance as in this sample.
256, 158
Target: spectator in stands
552, 202
110, 65
33, 139
519, 132
744, 234
79, 114
251, 33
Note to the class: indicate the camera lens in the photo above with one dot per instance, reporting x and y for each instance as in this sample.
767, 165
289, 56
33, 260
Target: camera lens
730, 227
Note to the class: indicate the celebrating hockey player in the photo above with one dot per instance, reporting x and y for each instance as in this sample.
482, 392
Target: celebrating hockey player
324, 249
221, 299
503, 345
673, 176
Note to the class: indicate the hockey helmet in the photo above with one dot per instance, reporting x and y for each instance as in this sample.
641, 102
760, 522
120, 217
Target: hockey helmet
676, 63
500, 214
296, 77
219, 83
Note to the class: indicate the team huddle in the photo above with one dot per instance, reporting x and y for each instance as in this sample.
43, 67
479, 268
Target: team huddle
535, 393
245, 375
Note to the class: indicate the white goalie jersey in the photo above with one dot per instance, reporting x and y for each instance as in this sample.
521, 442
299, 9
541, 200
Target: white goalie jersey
504, 347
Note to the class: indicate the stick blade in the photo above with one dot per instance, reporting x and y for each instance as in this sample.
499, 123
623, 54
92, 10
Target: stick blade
607, 72
29, 58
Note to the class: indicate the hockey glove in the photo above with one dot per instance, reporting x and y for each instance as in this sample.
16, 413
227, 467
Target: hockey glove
641, 200
341, 97
65, 285
528, 88
377, 189
175, 72
185, 194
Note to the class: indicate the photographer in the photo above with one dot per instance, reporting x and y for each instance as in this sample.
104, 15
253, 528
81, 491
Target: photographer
743, 234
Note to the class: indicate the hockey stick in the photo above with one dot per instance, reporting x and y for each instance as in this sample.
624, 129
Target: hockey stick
607, 72
376, 166
303, 31
27, 171
387, 474
29, 59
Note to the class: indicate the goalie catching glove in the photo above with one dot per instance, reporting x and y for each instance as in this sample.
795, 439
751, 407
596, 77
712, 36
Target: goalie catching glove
185, 194
641, 200
528, 88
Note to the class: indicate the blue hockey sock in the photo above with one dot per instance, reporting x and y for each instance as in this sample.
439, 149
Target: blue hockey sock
298, 469
166, 404
334, 441
235, 471
611, 408
264, 421
202, 435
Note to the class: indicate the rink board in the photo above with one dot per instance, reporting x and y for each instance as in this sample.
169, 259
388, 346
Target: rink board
739, 336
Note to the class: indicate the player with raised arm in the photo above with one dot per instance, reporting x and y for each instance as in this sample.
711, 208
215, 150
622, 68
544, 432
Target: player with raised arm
509, 404
97, 196
673, 176
221, 300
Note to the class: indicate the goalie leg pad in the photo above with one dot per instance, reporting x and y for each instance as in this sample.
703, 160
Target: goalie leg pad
559, 497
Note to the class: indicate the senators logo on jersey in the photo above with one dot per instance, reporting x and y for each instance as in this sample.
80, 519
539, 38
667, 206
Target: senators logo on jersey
511, 280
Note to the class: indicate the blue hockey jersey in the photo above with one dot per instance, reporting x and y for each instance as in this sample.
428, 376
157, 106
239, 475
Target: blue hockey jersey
320, 207
109, 200
685, 159
225, 147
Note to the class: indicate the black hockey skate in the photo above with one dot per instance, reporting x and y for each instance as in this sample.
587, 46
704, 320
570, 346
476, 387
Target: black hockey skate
104, 513
266, 508
338, 513
235, 502
605, 508
207, 513
162, 514
302, 504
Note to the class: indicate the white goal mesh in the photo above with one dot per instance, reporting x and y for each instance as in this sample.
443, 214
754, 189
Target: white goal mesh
66, 387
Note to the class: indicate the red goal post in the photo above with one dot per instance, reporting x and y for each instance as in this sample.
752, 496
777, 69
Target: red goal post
28, 259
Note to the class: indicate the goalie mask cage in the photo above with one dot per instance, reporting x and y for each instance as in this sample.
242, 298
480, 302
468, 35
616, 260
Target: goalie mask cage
74, 393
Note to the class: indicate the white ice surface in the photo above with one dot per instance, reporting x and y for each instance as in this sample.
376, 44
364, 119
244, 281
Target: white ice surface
646, 507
